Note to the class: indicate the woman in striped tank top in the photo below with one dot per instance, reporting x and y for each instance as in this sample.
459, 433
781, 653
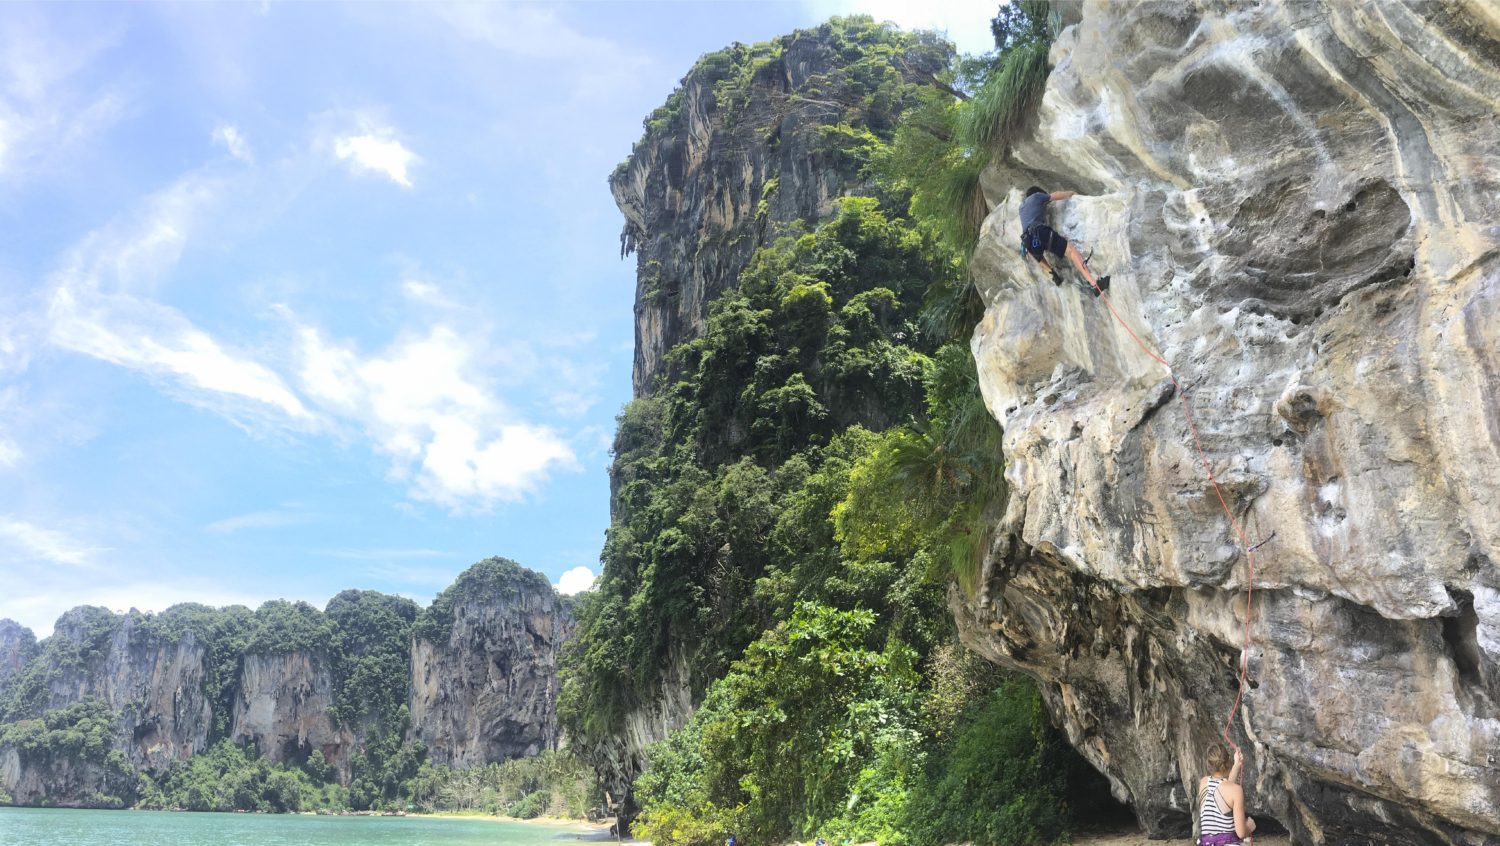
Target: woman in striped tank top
1221, 800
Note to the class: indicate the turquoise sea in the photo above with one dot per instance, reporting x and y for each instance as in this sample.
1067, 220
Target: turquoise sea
62, 827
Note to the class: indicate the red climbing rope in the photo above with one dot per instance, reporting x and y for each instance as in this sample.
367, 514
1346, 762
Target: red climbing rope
1244, 541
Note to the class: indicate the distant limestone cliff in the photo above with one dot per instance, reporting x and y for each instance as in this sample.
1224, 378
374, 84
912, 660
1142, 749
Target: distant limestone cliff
473, 678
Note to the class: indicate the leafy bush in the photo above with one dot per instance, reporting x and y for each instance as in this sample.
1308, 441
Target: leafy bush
1002, 780
530, 806
553, 783
280, 628
371, 651
942, 145
814, 729
79, 738
228, 777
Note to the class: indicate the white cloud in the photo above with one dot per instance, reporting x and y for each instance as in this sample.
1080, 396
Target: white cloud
575, 581
590, 68
46, 111
234, 141
33, 541
429, 400
158, 340
425, 292
10, 454
426, 402
966, 22
377, 150
96, 310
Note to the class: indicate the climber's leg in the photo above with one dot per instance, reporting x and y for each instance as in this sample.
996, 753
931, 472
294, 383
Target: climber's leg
1100, 284
1056, 280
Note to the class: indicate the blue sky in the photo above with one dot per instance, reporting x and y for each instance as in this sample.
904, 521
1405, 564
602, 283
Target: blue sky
296, 298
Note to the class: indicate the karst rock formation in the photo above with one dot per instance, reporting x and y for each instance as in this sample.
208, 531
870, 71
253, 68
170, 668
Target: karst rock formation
1300, 206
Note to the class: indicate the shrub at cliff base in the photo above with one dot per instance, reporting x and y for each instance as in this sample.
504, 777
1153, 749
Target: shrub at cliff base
1003, 779
820, 731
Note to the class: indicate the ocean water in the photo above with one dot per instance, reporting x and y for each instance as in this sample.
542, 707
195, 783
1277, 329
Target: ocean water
63, 827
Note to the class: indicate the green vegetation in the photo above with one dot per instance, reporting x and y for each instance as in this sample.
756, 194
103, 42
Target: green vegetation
79, 740
371, 651
554, 784
944, 143
365, 637
718, 474
371, 654
229, 777
815, 470
89, 630
492, 578
866, 94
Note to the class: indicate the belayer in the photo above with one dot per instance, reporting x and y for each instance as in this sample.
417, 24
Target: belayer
1221, 801
1038, 239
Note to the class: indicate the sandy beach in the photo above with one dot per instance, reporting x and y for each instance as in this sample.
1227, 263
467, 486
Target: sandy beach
1142, 840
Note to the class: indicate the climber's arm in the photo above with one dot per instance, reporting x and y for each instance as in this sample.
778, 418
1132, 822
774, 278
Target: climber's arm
1234, 797
1059, 195
1239, 764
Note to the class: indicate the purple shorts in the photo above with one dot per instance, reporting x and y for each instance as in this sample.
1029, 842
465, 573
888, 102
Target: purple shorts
1223, 839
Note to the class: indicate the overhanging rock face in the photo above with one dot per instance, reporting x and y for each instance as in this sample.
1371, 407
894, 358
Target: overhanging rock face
1300, 205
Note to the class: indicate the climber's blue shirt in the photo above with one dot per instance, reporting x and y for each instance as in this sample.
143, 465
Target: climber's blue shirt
1032, 209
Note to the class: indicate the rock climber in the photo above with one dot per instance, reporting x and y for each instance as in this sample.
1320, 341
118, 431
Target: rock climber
1221, 800
1038, 239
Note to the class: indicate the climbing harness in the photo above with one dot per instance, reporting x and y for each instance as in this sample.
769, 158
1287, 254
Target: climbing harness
1031, 240
1244, 540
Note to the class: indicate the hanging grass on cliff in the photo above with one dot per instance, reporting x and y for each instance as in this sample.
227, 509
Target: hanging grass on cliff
940, 149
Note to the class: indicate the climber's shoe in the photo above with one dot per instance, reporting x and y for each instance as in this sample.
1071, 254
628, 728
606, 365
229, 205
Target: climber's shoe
1056, 280
1101, 286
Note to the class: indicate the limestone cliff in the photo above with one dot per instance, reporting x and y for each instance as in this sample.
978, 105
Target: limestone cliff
484, 667
282, 705
755, 144
738, 154
666, 707
1298, 202
154, 687
288, 679
17, 647
64, 782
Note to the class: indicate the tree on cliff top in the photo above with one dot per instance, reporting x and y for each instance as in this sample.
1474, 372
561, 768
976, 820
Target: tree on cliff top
490, 579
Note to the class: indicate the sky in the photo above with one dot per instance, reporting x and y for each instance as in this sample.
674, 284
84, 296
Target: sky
296, 298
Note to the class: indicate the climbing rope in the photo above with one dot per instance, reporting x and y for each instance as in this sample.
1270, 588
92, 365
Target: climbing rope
1244, 541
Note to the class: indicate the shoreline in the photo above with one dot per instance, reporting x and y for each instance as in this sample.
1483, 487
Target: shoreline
554, 822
